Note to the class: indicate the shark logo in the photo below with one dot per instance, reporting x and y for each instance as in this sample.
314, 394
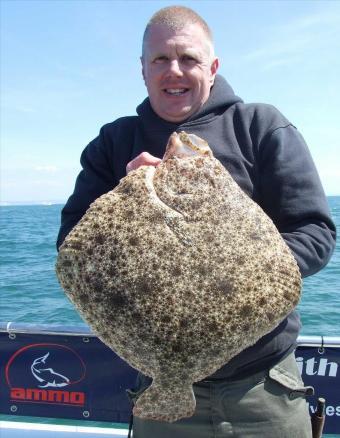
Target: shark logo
48, 365
44, 373
47, 376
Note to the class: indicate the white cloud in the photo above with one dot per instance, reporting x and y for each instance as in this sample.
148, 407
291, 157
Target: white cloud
32, 184
298, 40
46, 168
321, 18
330, 179
277, 48
17, 106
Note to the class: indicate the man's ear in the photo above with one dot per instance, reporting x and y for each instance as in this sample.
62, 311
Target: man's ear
213, 70
143, 73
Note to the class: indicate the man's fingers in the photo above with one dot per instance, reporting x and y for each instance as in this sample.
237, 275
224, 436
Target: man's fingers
143, 159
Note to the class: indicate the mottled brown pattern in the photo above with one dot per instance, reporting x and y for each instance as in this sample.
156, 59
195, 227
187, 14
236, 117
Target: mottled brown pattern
173, 271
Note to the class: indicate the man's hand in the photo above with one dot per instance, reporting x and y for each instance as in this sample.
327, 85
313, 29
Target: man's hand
143, 159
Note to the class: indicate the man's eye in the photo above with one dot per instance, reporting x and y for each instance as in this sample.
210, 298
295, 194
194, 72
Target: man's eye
160, 59
188, 58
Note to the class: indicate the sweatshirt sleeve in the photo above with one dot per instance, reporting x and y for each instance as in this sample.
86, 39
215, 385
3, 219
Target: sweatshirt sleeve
292, 195
96, 178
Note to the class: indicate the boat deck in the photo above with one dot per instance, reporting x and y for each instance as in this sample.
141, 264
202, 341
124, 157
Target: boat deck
14, 429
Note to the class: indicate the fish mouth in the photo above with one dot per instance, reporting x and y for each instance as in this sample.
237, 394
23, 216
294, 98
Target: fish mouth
184, 145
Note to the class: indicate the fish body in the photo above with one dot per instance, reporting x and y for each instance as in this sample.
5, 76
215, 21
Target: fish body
178, 270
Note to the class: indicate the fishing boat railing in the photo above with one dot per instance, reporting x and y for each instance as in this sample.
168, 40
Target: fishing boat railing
84, 330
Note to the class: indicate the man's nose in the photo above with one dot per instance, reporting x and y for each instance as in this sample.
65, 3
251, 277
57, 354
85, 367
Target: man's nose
175, 68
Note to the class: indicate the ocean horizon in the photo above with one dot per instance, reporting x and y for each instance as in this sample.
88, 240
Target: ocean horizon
48, 201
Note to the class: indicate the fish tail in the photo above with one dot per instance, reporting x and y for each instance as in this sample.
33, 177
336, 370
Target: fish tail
166, 403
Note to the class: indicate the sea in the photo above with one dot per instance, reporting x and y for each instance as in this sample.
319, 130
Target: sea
30, 293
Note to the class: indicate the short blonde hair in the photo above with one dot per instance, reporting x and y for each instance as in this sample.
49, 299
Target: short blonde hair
176, 17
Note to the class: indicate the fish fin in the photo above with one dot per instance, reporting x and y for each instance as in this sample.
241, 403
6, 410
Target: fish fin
166, 403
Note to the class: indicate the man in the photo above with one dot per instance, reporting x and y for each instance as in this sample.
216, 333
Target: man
259, 393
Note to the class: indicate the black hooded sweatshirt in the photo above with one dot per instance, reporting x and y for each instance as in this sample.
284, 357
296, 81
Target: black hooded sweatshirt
266, 156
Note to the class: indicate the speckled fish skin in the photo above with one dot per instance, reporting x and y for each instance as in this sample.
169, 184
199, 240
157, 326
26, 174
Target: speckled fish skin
178, 270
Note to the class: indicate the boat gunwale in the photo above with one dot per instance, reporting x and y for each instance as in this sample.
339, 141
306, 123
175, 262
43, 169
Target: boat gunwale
82, 330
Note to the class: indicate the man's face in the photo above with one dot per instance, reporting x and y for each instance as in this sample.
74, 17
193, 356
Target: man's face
178, 70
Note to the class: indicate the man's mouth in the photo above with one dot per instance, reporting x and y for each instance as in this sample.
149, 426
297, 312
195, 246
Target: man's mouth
176, 91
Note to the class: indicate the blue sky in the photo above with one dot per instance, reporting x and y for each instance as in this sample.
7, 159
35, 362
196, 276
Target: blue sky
69, 66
